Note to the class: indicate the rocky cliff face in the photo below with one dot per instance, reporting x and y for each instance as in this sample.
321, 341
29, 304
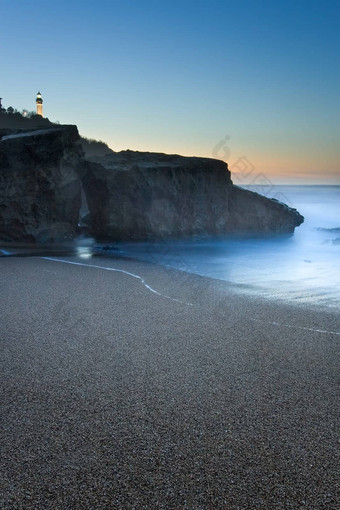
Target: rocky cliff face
39, 184
250, 212
134, 195
131, 195
141, 196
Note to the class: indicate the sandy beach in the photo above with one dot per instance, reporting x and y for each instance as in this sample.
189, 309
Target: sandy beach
131, 386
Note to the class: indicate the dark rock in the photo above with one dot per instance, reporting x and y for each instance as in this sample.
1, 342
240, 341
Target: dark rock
329, 230
135, 195
39, 184
250, 212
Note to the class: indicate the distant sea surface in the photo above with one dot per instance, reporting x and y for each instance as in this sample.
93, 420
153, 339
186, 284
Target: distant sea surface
304, 268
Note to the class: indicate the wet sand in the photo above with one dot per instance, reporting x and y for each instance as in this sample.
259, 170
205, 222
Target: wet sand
167, 391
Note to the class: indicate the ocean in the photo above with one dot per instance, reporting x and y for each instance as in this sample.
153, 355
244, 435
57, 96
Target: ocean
304, 267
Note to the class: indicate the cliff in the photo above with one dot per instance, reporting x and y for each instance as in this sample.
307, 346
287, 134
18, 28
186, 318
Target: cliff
39, 184
136, 195
250, 212
130, 195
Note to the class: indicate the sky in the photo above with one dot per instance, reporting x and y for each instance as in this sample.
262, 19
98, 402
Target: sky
253, 82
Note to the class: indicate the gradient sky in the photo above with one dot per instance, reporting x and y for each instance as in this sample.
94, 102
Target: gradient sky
178, 76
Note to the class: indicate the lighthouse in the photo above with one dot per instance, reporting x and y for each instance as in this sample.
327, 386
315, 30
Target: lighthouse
39, 102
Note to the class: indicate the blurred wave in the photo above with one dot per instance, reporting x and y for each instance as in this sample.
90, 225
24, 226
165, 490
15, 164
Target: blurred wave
303, 268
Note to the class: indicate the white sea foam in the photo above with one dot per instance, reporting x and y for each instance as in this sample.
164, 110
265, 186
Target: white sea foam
128, 273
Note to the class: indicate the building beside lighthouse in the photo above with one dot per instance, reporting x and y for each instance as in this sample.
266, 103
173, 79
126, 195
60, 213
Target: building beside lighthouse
39, 102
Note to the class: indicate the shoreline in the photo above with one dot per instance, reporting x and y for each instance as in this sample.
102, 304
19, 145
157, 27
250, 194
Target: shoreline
215, 293
244, 290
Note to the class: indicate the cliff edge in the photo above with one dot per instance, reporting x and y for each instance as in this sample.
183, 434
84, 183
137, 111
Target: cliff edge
143, 195
130, 195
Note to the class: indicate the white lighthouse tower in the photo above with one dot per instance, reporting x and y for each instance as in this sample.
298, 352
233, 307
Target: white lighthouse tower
39, 102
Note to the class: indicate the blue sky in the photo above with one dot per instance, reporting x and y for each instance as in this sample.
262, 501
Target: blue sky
179, 76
